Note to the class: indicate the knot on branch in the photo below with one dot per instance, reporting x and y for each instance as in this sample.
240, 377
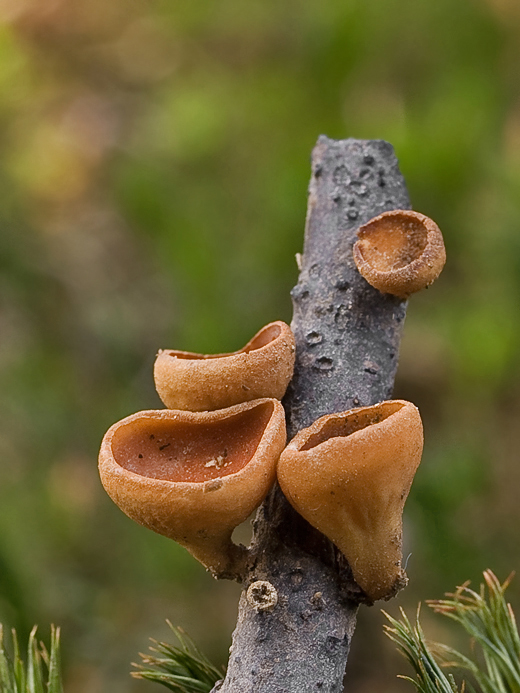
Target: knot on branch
262, 595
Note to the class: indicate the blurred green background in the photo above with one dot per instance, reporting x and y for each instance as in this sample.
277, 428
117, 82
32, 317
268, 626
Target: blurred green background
153, 172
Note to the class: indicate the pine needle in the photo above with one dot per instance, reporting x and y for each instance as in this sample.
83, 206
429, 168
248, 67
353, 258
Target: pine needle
412, 644
489, 621
41, 674
182, 669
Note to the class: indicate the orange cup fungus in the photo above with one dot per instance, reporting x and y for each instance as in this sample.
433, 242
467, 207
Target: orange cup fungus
400, 252
203, 382
194, 477
349, 475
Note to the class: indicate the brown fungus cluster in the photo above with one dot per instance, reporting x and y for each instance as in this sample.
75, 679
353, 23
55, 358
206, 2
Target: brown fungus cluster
195, 471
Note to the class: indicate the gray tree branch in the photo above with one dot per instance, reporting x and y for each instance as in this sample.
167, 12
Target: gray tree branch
297, 612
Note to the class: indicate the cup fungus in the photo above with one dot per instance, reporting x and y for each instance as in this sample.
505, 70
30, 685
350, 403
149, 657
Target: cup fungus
201, 382
195, 476
400, 252
349, 475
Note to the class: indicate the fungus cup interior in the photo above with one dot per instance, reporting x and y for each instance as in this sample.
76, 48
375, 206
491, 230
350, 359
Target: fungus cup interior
267, 335
342, 426
177, 450
393, 242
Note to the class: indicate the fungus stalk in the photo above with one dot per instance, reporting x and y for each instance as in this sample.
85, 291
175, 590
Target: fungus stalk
347, 341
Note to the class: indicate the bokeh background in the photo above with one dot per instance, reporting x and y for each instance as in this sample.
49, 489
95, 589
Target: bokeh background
154, 160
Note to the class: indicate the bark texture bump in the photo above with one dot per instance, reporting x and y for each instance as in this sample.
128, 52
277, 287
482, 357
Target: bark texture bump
295, 624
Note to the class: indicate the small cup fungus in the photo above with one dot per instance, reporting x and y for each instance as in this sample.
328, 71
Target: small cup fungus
195, 476
201, 382
349, 475
400, 252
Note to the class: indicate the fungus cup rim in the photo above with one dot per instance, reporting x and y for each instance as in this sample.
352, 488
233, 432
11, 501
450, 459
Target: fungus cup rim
284, 331
108, 463
303, 437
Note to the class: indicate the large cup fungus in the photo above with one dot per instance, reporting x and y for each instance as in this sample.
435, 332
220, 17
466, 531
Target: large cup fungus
400, 252
195, 476
200, 382
349, 475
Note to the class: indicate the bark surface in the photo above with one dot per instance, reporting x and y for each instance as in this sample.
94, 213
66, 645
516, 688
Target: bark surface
297, 612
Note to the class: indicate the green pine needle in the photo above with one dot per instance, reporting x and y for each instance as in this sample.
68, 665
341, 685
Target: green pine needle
410, 640
489, 621
42, 673
182, 669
